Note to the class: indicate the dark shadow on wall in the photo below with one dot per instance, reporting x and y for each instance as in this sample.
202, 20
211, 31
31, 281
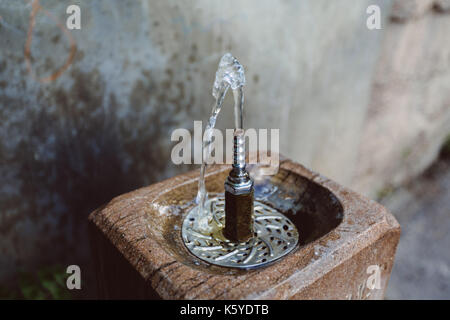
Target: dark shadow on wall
73, 156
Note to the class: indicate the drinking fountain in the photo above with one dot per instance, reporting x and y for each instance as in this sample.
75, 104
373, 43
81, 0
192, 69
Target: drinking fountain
234, 229
235, 234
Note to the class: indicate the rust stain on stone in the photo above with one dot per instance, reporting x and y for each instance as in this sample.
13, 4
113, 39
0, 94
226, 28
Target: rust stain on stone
36, 7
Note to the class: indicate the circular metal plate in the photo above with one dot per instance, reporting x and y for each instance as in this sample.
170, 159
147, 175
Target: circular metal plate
274, 237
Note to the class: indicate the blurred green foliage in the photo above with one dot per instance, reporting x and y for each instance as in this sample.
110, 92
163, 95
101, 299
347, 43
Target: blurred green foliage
45, 283
445, 151
384, 192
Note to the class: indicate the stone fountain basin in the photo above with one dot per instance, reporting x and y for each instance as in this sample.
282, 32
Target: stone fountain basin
341, 233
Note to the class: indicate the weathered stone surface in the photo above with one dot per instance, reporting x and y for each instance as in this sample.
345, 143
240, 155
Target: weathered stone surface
143, 227
403, 10
409, 112
442, 5
422, 263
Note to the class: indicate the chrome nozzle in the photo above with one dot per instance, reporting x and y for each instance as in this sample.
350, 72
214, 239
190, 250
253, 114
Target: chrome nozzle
239, 195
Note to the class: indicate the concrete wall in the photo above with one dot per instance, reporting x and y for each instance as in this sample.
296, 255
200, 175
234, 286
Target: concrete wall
408, 116
72, 138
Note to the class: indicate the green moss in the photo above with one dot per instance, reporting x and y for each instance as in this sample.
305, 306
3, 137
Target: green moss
384, 192
46, 283
445, 150
406, 152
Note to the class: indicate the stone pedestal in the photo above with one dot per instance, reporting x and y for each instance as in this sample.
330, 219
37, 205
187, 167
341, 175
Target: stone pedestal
346, 247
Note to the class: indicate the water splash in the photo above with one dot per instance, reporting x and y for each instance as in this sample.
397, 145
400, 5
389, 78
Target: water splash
230, 74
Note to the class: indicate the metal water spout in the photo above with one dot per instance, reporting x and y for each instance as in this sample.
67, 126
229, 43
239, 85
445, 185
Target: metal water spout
234, 229
238, 185
239, 195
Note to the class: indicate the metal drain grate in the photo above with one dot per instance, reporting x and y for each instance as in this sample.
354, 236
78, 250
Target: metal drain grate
274, 237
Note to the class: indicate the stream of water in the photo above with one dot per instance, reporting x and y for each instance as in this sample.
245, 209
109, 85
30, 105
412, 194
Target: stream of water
230, 74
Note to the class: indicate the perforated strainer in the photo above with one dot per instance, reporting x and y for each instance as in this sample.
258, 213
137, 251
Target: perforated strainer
274, 237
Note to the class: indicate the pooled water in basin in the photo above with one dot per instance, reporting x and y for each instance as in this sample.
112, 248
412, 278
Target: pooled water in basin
313, 209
